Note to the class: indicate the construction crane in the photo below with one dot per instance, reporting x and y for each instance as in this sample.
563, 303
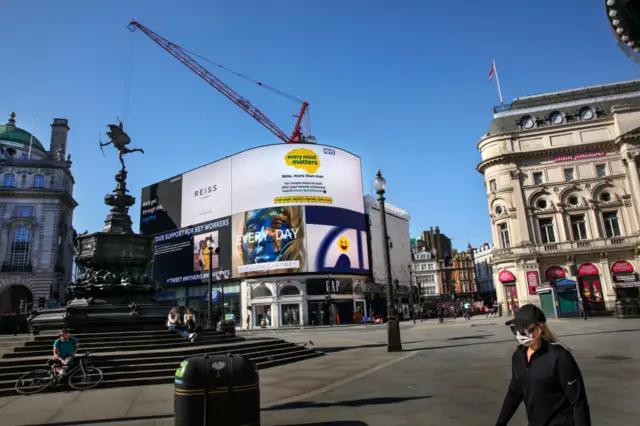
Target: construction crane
183, 56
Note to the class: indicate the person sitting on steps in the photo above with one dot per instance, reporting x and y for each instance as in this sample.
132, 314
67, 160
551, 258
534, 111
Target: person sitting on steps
64, 352
190, 321
174, 325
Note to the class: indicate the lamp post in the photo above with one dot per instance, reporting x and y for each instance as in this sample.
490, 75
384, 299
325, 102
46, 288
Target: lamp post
394, 343
623, 18
209, 324
412, 295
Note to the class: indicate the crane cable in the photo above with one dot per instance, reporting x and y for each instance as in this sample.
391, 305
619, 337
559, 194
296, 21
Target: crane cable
126, 100
273, 89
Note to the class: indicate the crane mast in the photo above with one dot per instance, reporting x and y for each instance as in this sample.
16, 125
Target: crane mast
181, 55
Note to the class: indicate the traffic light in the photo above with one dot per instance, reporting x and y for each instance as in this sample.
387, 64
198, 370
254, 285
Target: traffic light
22, 303
41, 301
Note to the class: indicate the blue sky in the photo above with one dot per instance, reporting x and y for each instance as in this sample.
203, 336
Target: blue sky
402, 84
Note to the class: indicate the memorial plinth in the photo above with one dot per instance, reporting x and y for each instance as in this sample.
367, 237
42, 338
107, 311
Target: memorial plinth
113, 292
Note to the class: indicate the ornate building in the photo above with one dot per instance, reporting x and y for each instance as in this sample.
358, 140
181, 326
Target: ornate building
36, 211
424, 267
563, 192
457, 274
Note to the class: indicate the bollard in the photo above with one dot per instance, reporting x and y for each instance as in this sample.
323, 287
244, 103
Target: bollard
217, 390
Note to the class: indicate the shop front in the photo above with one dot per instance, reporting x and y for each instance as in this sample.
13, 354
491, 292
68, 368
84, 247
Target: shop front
508, 281
195, 297
626, 284
590, 285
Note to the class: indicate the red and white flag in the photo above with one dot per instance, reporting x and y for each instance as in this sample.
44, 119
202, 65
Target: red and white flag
492, 72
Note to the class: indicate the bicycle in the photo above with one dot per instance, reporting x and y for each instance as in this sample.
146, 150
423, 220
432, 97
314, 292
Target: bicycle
41, 379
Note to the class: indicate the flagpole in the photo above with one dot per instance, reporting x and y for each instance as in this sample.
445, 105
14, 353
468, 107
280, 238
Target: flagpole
495, 70
31, 138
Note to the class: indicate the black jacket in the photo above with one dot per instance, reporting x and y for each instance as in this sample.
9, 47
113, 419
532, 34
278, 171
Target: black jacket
551, 387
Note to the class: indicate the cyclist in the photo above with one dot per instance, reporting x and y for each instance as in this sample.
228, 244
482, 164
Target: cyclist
64, 352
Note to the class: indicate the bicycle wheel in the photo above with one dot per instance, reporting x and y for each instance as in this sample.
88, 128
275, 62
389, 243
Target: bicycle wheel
34, 382
87, 379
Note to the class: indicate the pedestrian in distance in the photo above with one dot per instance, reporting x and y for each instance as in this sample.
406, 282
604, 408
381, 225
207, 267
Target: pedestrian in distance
545, 376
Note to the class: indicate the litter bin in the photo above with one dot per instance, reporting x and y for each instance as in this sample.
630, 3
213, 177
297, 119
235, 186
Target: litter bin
217, 390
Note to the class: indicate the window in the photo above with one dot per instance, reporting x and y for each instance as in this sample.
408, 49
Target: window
537, 178
605, 197
38, 181
20, 245
503, 235
573, 200
24, 156
492, 185
499, 210
547, 233
24, 211
601, 170
568, 174
9, 180
431, 267
541, 204
430, 278
429, 291
611, 224
578, 227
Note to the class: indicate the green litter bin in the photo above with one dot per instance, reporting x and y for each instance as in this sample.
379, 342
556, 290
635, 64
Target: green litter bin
217, 390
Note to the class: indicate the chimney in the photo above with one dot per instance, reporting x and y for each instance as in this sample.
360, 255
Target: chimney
59, 130
438, 246
432, 238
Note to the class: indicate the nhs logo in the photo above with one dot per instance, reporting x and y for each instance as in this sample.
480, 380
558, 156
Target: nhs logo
329, 151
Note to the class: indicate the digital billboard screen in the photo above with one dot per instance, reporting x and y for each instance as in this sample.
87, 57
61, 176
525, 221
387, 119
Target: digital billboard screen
290, 209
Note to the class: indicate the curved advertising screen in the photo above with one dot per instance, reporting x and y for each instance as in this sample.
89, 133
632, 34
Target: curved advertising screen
273, 210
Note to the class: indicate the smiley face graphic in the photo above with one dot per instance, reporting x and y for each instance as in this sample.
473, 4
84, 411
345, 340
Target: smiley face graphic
343, 244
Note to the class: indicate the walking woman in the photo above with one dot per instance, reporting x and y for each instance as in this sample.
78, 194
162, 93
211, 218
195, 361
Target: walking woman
545, 376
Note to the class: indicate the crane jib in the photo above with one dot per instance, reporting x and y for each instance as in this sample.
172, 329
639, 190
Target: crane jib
181, 55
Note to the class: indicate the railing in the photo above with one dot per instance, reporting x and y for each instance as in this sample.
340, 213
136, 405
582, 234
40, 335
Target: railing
501, 108
567, 246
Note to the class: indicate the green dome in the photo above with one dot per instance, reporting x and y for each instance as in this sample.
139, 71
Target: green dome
9, 132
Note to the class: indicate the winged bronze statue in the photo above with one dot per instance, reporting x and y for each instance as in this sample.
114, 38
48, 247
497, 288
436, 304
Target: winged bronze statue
119, 139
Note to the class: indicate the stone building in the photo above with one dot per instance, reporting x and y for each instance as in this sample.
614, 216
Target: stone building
36, 212
563, 191
483, 257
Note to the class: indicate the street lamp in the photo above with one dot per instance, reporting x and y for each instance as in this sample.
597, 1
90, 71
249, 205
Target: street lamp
624, 19
394, 343
209, 324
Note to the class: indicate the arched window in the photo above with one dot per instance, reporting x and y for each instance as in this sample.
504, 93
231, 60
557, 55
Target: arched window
9, 180
20, 249
38, 181
261, 291
290, 290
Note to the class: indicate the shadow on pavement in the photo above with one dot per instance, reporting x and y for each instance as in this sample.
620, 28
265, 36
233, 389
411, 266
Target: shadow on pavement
350, 403
338, 423
334, 349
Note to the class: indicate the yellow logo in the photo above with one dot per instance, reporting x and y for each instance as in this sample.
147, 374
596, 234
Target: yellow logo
343, 243
303, 158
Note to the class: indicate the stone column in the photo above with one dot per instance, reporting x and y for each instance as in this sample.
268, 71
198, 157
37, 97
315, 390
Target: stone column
632, 171
562, 230
532, 227
594, 217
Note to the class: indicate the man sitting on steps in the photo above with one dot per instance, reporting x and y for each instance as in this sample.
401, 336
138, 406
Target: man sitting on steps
64, 352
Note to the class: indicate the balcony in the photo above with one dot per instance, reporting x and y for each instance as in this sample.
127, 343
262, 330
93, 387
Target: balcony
567, 247
7, 267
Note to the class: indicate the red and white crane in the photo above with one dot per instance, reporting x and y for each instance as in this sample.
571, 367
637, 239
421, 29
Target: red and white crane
183, 56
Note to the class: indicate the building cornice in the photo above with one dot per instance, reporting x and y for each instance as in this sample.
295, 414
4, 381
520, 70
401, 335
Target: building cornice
63, 196
513, 157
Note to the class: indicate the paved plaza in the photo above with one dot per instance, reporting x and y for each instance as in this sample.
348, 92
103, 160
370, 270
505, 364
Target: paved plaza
450, 374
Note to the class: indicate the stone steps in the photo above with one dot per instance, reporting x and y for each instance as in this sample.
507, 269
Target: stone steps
153, 362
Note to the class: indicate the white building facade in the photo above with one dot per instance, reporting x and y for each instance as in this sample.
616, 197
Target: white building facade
483, 257
36, 212
425, 274
563, 192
